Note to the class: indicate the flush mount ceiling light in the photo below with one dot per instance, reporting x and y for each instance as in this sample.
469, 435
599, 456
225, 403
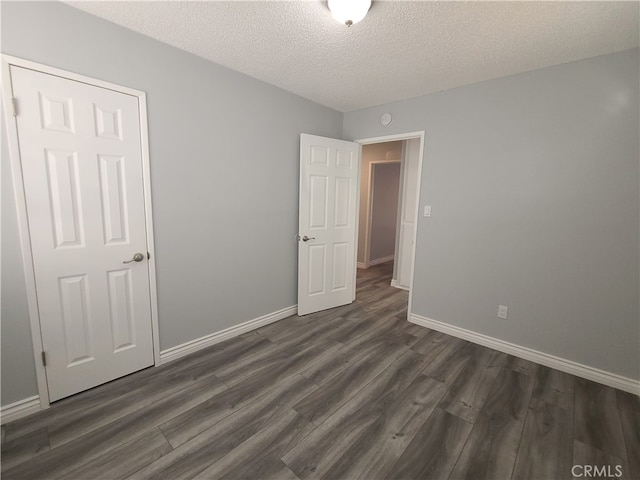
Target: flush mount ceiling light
349, 11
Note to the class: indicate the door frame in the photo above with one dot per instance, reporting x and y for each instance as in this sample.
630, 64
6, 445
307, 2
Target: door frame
369, 216
391, 138
21, 207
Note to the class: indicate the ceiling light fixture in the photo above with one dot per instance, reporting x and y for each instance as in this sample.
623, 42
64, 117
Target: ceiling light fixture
349, 11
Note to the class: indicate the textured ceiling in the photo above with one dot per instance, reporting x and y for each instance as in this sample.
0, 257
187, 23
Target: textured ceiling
400, 50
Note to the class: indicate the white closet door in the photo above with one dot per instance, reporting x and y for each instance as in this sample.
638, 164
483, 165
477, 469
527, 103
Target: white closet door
80, 150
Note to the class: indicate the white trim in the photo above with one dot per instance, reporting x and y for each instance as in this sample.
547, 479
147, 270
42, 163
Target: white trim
151, 261
394, 284
19, 409
361, 265
23, 229
193, 346
407, 136
21, 208
391, 138
40, 67
378, 261
357, 232
579, 370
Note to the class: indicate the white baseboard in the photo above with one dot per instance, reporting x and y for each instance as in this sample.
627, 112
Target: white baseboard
378, 261
19, 409
394, 283
179, 351
579, 370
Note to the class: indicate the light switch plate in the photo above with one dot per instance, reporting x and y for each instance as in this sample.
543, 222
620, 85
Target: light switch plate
427, 210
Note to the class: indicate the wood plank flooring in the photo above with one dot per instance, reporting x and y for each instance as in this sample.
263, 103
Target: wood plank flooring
355, 392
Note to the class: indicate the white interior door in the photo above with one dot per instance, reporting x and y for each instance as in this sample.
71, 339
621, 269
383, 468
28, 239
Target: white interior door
329, 171
80, 150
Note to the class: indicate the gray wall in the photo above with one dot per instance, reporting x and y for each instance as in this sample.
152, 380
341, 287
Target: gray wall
384, 210
224, 154
533, 180
18, 370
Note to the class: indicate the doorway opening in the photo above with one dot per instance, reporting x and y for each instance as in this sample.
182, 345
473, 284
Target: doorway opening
390, 173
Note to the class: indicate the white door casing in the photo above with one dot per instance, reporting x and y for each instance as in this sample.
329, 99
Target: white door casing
329, 174
408, 212
415, 155
82, 172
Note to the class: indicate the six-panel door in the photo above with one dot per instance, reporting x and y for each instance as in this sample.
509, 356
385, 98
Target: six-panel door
327, 216
80, 149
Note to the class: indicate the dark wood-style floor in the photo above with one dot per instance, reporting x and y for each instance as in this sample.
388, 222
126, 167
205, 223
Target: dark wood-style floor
353, 392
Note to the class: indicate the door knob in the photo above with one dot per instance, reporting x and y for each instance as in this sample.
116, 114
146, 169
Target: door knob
306, 239
137, 257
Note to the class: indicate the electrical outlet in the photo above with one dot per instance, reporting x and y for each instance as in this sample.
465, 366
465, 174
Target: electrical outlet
427, 211
502, 312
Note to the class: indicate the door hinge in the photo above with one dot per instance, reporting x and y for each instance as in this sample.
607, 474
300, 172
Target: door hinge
14, 106
44, 359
